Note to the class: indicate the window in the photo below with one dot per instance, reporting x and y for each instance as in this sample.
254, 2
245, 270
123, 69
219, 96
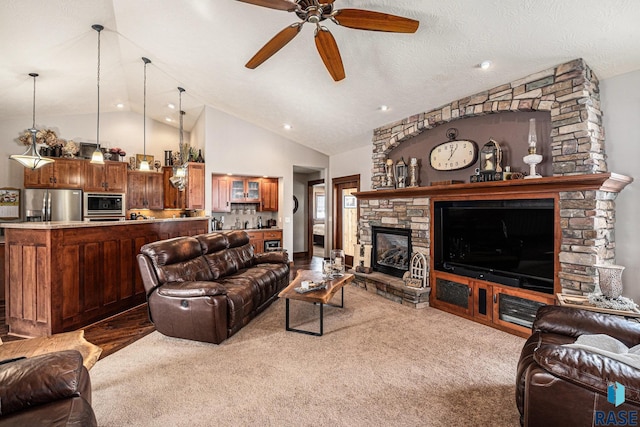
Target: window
319, 211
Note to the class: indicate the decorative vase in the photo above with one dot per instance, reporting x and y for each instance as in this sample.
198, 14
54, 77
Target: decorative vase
610, 279
337, 262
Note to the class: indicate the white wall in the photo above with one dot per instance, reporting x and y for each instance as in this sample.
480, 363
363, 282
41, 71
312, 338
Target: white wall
233, 145
620, 98
120, 129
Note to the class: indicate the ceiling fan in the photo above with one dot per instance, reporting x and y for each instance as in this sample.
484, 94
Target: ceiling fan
316, 11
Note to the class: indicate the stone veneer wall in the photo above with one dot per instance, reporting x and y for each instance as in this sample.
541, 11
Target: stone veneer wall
570, 93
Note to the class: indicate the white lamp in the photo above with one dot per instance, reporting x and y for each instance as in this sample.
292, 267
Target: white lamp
97, 157
33, 160
144, 164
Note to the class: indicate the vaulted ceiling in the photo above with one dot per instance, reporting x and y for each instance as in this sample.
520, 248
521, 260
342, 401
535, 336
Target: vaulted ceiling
203, 45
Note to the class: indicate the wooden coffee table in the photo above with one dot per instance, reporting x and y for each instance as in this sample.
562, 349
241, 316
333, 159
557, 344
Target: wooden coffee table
320, 296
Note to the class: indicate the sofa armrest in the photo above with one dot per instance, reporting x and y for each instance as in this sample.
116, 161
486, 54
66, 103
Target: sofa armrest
41, 379
148, 273
574, 322
191, 289
588, 369
280, 257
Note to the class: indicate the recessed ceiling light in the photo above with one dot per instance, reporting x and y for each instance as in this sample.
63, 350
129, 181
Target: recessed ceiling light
172, 106
287, 126
485, 64
120, 105
384, 108
168, 119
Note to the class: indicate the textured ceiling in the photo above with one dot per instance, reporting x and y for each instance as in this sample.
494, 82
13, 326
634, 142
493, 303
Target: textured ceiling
202, 45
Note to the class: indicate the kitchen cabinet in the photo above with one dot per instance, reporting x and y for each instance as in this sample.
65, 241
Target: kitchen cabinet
220, 201
85, 272
257, 238
192, 197
245, 190
195, 186
62, 173
110, 176
144, 190
269, 194
493, 304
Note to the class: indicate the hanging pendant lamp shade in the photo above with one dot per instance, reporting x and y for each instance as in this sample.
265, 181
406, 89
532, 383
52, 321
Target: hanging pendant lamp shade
97, 157
31, 158
178, 180
144, 164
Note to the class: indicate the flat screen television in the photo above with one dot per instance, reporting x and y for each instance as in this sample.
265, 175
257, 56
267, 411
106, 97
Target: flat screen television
510, 242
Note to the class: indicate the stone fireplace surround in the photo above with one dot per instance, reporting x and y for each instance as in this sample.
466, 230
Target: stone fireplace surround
570, 93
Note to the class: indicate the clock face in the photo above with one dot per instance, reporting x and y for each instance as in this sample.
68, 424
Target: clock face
453, 155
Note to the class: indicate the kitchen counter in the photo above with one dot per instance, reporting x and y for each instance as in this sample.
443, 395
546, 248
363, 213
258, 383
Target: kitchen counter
62, 276
53, 225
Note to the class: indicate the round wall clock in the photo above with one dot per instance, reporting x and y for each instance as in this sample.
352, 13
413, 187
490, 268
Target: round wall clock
453, 155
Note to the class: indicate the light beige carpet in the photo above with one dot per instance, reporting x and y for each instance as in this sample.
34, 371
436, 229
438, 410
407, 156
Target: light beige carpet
378, 364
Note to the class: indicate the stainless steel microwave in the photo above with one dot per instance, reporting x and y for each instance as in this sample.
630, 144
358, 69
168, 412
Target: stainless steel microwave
101, 205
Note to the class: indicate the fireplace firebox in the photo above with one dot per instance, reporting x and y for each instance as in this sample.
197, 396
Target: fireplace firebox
391, 250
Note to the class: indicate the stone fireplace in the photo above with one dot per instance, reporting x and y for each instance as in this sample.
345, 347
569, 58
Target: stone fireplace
570, 94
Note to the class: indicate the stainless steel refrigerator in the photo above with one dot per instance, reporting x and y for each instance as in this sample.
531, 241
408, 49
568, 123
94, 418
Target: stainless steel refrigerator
52, 205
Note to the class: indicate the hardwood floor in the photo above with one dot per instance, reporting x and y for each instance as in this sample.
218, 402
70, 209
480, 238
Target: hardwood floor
119, 331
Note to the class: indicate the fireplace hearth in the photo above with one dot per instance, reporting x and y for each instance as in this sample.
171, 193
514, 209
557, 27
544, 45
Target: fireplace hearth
391, 250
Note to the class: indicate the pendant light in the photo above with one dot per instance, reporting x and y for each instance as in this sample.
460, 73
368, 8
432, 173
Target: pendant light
33, 160
178, 180
97, 157
144, 164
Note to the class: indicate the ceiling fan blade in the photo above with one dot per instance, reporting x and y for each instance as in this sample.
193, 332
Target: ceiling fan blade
375, 21
274, 45
328, 50
274, 4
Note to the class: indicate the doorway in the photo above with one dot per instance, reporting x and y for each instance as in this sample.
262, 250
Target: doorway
346, 214
317, 218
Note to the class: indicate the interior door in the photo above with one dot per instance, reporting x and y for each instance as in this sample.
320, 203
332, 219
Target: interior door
346, 214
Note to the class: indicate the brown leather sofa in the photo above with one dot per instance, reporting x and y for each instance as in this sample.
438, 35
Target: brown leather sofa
563, 386
53, 389
207, 287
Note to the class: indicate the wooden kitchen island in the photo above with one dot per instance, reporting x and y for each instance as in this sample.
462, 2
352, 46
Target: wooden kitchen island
62, 276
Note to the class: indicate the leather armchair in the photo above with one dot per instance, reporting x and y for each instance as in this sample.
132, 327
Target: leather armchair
561, 386
53, 389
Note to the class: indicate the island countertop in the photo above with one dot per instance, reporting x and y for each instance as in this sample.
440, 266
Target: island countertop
54, 225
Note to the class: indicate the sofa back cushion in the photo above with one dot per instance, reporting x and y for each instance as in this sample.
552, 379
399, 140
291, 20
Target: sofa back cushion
178, 260
240, 249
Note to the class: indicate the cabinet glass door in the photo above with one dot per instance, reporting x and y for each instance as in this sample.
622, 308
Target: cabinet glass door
237, 190
253, 190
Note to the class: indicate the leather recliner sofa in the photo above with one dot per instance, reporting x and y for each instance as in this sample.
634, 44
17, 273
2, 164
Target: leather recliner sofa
52, 389
564, 386
207, 287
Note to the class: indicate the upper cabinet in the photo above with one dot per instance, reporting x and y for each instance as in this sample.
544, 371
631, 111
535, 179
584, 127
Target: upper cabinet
245, 190
110, 176
192, 197
226, 190
144, 190
220, 191
269, 194
62, 173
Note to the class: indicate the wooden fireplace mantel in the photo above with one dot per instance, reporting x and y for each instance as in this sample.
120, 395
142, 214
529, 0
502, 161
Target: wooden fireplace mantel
610, 182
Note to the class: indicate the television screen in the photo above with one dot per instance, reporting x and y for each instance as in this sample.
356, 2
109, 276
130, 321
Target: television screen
503, 241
